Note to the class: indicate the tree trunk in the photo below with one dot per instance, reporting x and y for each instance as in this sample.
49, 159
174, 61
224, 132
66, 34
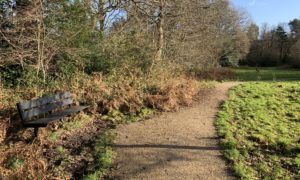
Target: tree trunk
160, 27
281, 52
101, 15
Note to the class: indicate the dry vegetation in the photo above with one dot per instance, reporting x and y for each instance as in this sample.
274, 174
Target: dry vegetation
217, 74
65, 149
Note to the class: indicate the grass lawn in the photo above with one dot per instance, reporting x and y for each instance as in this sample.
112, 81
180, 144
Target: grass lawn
260, 129
267, 74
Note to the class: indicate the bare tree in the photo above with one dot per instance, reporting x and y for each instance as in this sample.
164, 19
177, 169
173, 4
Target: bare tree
28, 39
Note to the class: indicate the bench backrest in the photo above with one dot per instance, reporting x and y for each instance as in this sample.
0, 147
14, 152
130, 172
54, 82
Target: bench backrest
44, 105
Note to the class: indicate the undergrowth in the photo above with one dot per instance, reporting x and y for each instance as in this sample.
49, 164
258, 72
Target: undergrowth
76, 147
215, 74
103, 154
259, 126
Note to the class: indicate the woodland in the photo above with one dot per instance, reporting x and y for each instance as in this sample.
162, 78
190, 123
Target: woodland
126, 59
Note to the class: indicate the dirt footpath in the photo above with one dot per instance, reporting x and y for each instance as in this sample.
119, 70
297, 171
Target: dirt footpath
181, 145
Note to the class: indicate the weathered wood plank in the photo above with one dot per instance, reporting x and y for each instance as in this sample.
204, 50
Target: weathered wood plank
44, 100
55, 116
42, 107
40, 110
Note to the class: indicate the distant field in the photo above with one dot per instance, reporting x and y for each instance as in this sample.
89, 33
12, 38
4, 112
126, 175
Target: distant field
267, 74
260, 130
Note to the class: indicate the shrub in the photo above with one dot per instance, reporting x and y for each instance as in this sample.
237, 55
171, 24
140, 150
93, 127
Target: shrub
9, 74
217, 74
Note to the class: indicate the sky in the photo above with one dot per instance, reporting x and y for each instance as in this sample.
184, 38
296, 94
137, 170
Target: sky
272, 12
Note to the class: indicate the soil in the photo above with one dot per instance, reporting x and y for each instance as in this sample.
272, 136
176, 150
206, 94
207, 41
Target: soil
74, 142
180, 145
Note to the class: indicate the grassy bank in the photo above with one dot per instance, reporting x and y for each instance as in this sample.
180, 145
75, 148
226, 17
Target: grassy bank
260, 129
266, 74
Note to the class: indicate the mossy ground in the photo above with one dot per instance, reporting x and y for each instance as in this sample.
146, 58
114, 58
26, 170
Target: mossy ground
260, 130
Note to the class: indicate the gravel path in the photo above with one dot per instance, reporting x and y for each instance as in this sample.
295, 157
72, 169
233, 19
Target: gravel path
180, 145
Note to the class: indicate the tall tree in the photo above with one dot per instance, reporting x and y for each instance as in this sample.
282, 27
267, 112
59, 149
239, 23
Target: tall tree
161, 30
295, 28
282, 42
253, 32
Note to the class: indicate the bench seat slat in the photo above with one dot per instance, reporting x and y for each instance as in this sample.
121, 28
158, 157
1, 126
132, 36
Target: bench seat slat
27, 115
44, 100
55, 116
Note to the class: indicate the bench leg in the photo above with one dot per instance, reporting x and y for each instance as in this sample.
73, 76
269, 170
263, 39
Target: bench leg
36, 129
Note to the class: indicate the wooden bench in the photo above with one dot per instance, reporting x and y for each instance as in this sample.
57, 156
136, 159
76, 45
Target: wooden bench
39, 112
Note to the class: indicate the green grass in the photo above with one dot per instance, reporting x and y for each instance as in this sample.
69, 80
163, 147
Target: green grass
77, 122
260, 129
267, 74
103, 157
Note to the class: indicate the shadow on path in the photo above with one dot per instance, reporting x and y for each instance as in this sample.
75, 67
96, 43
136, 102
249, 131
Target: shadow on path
166, 146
